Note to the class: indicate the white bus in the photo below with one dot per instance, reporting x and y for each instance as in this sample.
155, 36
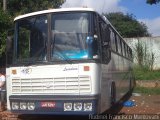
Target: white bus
66, 61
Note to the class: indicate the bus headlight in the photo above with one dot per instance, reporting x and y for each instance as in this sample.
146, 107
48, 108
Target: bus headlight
23, 106
87, 106
67, 106
31, 106
77, 106
15, 106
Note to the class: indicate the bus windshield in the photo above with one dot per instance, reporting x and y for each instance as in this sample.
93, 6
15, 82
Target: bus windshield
63, 36
69, 35
31, 39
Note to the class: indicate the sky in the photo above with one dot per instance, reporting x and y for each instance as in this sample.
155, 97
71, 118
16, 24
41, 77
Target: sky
143, 12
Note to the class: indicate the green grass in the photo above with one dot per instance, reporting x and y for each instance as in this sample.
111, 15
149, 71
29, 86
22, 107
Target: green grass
144, 74
147, 91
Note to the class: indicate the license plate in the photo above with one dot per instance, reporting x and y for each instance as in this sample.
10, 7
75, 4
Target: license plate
48, 104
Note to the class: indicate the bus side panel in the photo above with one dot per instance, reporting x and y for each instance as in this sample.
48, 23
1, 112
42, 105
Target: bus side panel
106, 78
116, 71
123, 83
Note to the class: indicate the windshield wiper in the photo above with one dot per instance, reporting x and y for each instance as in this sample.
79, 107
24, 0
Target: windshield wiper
53, 46
60, 54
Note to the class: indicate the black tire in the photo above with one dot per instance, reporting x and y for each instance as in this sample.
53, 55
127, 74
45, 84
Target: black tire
130, 83
113, 93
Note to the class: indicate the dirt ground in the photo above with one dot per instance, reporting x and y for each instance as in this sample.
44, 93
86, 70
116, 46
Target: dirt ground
144, 104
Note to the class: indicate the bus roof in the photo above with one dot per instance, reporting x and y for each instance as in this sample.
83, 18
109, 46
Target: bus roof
52, 10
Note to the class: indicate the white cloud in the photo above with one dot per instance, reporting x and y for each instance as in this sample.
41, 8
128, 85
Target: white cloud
104, 6
153, 25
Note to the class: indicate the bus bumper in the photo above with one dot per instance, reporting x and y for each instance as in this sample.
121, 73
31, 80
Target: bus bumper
54, 104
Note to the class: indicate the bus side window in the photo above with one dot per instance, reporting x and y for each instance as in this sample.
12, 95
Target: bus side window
119, 44
105, 37
116, 43
112, 38
124, 48
129, 53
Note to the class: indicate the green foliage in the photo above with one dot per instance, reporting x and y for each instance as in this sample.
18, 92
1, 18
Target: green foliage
147, 91
153, 1
127, 25
5, 21
142, 73
144, 57
5, 24
18, 7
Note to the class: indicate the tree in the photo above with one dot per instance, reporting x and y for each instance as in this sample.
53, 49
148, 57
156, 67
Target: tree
5, 24
153, 1
18, 7
127, 25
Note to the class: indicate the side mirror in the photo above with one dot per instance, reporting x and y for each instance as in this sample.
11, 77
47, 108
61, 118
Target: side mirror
9, 40
106, 39
104, 17
107, 33
9, 47
9, 43
106, 50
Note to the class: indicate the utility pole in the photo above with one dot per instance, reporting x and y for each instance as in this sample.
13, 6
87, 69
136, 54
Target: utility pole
4, 5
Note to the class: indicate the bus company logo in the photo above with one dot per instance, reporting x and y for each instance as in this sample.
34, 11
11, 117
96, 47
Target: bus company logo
70, 68
48, 85
27, 71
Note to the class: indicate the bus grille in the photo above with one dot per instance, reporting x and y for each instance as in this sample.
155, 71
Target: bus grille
61, 85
